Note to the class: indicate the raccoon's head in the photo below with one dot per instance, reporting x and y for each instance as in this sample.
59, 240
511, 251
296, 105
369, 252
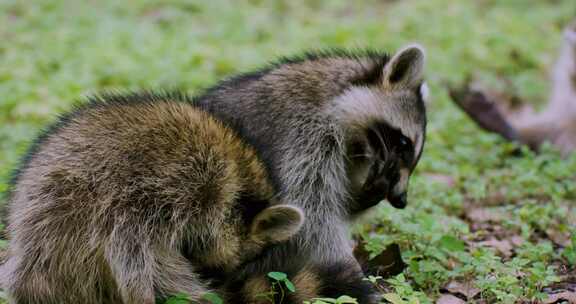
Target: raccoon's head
385, 125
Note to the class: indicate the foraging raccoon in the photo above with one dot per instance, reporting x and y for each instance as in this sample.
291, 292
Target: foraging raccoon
338, 131
129, 199
556, 123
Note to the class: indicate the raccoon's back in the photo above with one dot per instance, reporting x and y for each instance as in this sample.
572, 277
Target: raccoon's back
165, 158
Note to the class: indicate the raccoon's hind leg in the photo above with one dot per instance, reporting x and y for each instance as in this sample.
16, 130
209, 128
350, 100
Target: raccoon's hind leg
144, 270
483, 111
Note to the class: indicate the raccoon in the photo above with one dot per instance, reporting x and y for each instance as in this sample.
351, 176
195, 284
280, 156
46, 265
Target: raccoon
556, 123
133, 198
338, 131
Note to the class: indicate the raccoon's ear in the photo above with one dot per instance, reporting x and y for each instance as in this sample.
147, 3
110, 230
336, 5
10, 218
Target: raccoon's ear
276, 224
406, 68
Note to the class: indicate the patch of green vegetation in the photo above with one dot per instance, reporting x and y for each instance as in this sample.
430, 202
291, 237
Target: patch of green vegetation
339, 300
54, 52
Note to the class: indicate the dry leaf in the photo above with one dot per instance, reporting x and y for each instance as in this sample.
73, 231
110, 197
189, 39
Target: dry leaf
503, 247
466, 289
559, 238
449, 299
441, 178
483, 215
388, 263
562, 296
517, 240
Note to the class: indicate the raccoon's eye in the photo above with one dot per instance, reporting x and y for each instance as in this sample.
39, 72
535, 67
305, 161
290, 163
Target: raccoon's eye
406, 149
404, 143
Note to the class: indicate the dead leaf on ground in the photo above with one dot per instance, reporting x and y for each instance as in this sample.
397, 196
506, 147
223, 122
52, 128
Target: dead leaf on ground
567, 281
485, 223
503, 247
517, 240
441, 178
449, 299
496, 198
558, 237
386, 264
487, 231
465, 289
561, 296
483, 215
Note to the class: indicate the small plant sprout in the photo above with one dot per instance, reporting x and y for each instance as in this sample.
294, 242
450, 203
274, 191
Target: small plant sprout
279, 281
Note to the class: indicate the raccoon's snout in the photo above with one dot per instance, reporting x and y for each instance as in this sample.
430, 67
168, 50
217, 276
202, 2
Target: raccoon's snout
386, 181
397, 194
398, 201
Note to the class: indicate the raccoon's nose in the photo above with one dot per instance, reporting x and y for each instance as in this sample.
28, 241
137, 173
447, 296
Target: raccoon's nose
398, 201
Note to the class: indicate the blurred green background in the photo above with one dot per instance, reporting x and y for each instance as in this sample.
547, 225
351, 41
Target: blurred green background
54, 52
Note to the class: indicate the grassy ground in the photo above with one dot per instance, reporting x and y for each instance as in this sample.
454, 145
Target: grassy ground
477, 215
